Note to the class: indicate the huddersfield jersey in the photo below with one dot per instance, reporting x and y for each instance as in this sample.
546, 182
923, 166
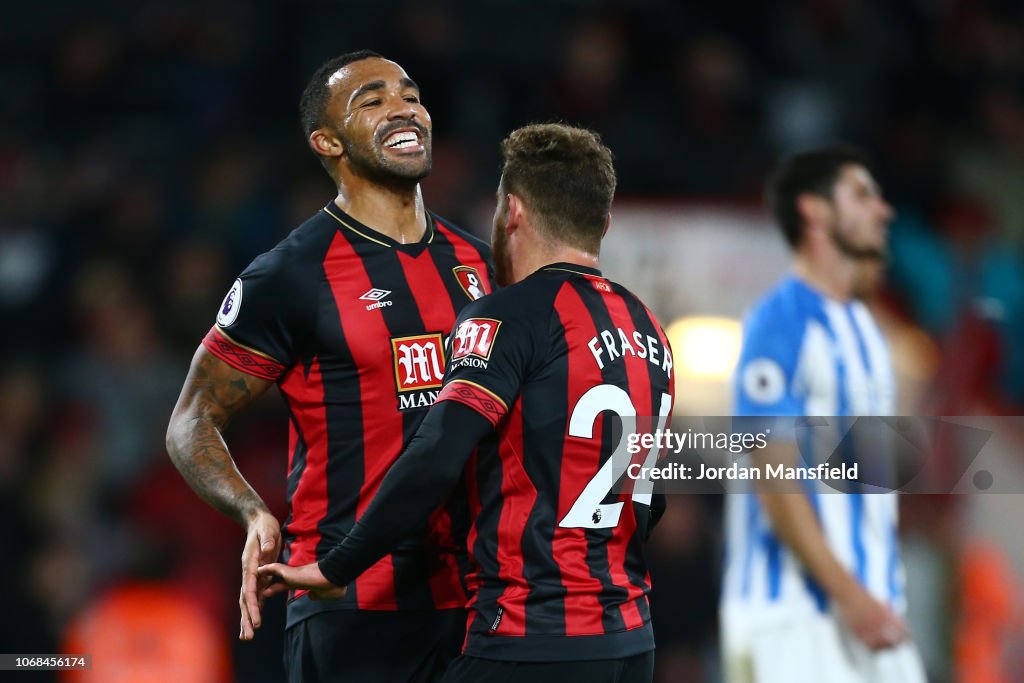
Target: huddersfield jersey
558, 571
351, 325
805, 354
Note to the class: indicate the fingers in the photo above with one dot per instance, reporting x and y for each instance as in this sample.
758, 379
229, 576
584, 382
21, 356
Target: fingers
888, 632
276, 570
250, 592
270, 541
275, 589
245, 627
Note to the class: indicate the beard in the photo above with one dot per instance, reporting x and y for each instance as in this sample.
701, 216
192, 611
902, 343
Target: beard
856, 252
499, 252
369, 161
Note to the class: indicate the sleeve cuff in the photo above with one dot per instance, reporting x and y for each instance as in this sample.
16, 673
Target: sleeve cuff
480, 399
246, 360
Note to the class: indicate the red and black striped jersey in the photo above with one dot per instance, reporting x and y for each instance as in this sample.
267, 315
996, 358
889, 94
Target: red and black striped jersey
558, 571
351, 325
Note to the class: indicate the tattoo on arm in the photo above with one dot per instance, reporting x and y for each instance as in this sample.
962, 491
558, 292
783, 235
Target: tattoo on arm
213, 393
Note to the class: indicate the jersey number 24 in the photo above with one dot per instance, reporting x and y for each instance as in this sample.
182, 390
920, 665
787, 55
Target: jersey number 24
588, 512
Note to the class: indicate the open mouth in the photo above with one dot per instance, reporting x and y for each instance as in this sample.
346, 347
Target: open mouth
404, 140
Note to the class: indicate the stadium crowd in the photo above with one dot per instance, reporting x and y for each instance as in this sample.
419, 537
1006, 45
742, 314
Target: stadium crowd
149, 150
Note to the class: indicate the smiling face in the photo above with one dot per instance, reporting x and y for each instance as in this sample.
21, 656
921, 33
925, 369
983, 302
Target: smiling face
376, 114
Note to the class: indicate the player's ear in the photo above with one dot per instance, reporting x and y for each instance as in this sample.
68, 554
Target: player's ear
607, 224
813, 208
324, 143
515, 213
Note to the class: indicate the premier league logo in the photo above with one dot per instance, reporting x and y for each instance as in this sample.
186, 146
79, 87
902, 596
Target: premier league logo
232, 302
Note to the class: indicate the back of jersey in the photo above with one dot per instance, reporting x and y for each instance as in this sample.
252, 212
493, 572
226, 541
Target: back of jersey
559, 571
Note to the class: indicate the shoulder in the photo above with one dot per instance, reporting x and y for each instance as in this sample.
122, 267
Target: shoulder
528, 301
291, 258
454, 233
782, 314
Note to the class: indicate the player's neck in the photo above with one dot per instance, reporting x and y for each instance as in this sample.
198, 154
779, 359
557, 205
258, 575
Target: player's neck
545, 256
833, 277
397, 212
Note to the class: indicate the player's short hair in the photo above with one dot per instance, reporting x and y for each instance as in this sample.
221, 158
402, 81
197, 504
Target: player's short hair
317, 93
815, 171
566, 176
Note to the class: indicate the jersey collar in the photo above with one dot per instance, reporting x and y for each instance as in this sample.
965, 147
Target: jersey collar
574, 268
372, 235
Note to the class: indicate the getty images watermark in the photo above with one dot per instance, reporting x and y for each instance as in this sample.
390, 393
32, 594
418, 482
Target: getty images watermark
825, 454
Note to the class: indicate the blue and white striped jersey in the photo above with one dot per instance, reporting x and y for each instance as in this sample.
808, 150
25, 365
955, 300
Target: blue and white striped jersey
805, 354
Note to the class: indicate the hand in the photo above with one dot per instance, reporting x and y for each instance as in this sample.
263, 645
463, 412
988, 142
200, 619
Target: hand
307, 577
870, 621
262, 545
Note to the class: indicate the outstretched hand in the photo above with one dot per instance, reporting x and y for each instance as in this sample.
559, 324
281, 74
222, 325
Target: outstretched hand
307, 577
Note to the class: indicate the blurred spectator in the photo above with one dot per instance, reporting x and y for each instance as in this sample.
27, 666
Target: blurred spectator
149, 149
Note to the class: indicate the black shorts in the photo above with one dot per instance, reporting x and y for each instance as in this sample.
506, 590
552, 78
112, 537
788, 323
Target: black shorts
353, 646
636, 669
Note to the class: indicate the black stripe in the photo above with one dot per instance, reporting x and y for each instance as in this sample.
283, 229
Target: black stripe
545, 400
298, 467
402, 319
598, 539
636, 567
442, 251
485, 548
343, 410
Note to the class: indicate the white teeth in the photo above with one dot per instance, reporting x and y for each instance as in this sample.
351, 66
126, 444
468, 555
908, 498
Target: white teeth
400, 140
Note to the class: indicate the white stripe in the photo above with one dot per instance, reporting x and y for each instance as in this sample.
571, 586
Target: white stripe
884, 393
857, 389
816, 375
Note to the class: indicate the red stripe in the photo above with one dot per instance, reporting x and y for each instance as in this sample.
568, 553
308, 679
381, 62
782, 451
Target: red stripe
477, 398
382, 428
518, 496
241, 358
428, 291
438, 314
467, 254
581, 459
305, 397
637, 370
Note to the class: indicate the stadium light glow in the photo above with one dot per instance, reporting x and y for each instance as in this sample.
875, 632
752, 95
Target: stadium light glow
706, 348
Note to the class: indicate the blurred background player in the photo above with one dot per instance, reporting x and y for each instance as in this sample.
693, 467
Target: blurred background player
347, 316
559, 584
814, 586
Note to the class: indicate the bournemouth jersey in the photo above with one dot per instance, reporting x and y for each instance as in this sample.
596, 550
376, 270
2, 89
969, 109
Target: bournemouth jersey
351, 325
557, 566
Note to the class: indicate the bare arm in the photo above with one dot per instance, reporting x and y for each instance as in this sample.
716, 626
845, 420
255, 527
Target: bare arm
796, 524
213, 393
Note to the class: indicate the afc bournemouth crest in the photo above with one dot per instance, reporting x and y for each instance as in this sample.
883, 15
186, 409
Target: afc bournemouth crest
419, 369
469, 280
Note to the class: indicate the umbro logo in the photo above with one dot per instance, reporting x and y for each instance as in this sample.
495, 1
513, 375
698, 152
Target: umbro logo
378, 296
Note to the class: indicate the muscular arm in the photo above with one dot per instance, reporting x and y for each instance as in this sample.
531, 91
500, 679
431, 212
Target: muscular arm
796, 524
213, 393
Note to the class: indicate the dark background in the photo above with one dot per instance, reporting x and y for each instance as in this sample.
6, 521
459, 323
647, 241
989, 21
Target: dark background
149, 150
